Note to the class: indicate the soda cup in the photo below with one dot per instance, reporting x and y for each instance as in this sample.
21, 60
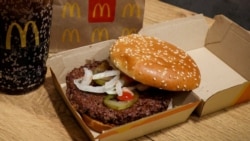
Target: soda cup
24, 44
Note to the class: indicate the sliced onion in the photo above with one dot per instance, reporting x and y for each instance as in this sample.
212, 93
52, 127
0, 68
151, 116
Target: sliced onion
118, 88
86, 79
111, 91
112, 82
88, 88
113, 86
105, 74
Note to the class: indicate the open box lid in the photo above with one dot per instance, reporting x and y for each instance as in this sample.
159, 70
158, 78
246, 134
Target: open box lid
221, 52
231, 43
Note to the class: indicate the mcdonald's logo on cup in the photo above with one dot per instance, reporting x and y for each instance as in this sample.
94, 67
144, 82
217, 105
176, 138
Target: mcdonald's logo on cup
127, 31
22, 33
71, 7
72, 34
131, 10
101, 11
99, 33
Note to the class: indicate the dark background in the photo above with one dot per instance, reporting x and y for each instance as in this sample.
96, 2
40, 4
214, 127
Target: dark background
236, 10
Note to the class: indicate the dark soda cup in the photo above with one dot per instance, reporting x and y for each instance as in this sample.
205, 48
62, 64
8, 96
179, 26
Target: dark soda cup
24, 44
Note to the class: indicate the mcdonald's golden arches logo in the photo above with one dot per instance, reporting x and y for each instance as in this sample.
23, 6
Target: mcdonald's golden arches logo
100, 34
72, 8
131, 10
127, 31
22, 33
71, 34
101, 11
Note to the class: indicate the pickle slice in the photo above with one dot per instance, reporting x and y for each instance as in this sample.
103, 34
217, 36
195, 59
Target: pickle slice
102, 81
101, 68
111, 102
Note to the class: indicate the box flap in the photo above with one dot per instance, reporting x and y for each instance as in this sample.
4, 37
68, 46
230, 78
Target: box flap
225, 98
231, 43
215, 74
187, 33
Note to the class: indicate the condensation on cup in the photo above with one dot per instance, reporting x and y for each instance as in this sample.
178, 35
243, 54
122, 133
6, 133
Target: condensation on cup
24, 44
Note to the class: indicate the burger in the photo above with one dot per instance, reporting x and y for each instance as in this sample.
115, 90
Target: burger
138, 79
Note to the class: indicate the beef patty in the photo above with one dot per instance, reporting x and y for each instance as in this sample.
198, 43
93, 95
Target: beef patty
150, 101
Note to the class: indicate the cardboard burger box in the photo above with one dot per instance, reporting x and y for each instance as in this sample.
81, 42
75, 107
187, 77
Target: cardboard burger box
221, 52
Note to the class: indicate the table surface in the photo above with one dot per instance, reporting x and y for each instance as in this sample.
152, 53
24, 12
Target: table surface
42, 115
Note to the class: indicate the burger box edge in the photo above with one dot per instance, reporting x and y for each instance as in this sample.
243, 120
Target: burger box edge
216, 43
62, 63
221, 52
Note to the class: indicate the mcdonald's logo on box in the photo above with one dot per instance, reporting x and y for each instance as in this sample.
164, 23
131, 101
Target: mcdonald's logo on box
101, 11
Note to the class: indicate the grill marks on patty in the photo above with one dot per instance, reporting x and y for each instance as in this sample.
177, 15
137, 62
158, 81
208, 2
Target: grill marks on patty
150, 102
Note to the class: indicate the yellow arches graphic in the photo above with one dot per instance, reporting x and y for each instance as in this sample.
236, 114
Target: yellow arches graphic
131, 10
71, 33
22, 33
100, 33
71, 7
127, 31
101, 8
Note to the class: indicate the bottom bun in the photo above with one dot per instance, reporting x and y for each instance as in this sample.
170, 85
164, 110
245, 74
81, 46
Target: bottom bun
96, 125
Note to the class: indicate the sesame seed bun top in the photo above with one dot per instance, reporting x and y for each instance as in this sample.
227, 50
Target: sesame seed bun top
155, 63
